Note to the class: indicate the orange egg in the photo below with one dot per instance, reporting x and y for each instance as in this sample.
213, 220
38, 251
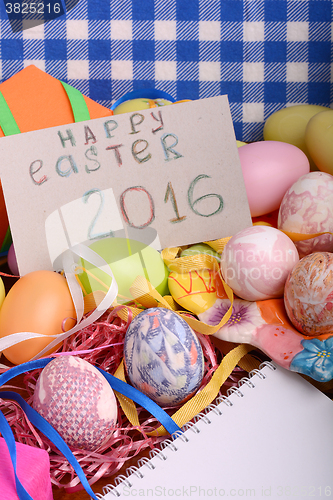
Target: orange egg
39, 302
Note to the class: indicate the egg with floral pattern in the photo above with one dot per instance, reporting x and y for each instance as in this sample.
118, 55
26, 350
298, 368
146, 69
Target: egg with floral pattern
308, 294
256, 261
163, 356
307, 208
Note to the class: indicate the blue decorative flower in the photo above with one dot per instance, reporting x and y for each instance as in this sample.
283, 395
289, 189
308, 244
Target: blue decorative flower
316, 359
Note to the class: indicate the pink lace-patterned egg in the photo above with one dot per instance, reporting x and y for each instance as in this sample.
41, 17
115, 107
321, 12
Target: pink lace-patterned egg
256, 262
308, 294
75, 398
307, 208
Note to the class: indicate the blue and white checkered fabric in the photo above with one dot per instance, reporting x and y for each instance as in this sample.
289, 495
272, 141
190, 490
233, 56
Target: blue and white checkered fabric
265, 54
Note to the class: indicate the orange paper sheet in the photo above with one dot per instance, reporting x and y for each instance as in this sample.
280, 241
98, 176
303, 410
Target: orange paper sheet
37, 101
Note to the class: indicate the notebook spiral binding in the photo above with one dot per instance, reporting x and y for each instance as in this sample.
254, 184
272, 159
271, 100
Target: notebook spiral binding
169, 443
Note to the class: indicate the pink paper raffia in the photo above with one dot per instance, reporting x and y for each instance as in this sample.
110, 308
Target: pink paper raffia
101, 344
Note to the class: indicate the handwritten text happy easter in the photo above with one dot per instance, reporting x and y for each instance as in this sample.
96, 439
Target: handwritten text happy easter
166, 146
139, 147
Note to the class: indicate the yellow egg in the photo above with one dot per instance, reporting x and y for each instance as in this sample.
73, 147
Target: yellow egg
138, 104
2, 292
195, 291
319, 140
39, 302
289, 124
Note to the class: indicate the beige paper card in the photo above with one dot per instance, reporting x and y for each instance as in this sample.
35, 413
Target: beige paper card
174, 169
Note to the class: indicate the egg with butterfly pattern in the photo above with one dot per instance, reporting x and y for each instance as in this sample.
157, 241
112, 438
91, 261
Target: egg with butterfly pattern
163, 356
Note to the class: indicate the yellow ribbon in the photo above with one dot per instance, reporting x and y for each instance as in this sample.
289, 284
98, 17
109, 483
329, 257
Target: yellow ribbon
188, 263
218, 245
204, 397
198, 402
301, 236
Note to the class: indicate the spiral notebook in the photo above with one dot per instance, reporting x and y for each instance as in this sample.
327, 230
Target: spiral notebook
271, 437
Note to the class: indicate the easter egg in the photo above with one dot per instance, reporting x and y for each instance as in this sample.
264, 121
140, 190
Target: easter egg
319, 140
289, 125
140, 99
2, 292
12, 262
3, 219
269, 169
308, 295
196, 290
77, 400
307, 208
256, 262
163, 356
139, 104
39, 302
127, 259
200, 248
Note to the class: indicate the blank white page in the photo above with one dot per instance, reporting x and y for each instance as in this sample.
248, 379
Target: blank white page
275, 441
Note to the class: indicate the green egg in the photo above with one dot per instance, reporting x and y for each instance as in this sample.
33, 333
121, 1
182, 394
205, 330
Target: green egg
127, 259
200, 248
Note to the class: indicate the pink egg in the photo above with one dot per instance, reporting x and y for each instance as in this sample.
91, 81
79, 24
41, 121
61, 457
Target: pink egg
75, 398
269, 169
307, 208
256, 262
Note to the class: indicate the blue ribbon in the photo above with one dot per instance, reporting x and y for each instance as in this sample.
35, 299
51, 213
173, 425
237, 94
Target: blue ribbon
144, 94
40, 423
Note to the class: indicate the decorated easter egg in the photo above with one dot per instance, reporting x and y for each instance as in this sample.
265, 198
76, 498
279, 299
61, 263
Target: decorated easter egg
75, 398
308, 295
319, 140
163, 356
256, 261
269, 169
127, 259
307, 208
196, 290
39, 302
289, 125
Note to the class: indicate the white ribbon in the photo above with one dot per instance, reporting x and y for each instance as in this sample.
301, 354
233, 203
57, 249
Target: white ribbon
68, 265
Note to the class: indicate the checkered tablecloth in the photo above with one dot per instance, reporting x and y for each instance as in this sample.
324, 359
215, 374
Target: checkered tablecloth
265, 54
